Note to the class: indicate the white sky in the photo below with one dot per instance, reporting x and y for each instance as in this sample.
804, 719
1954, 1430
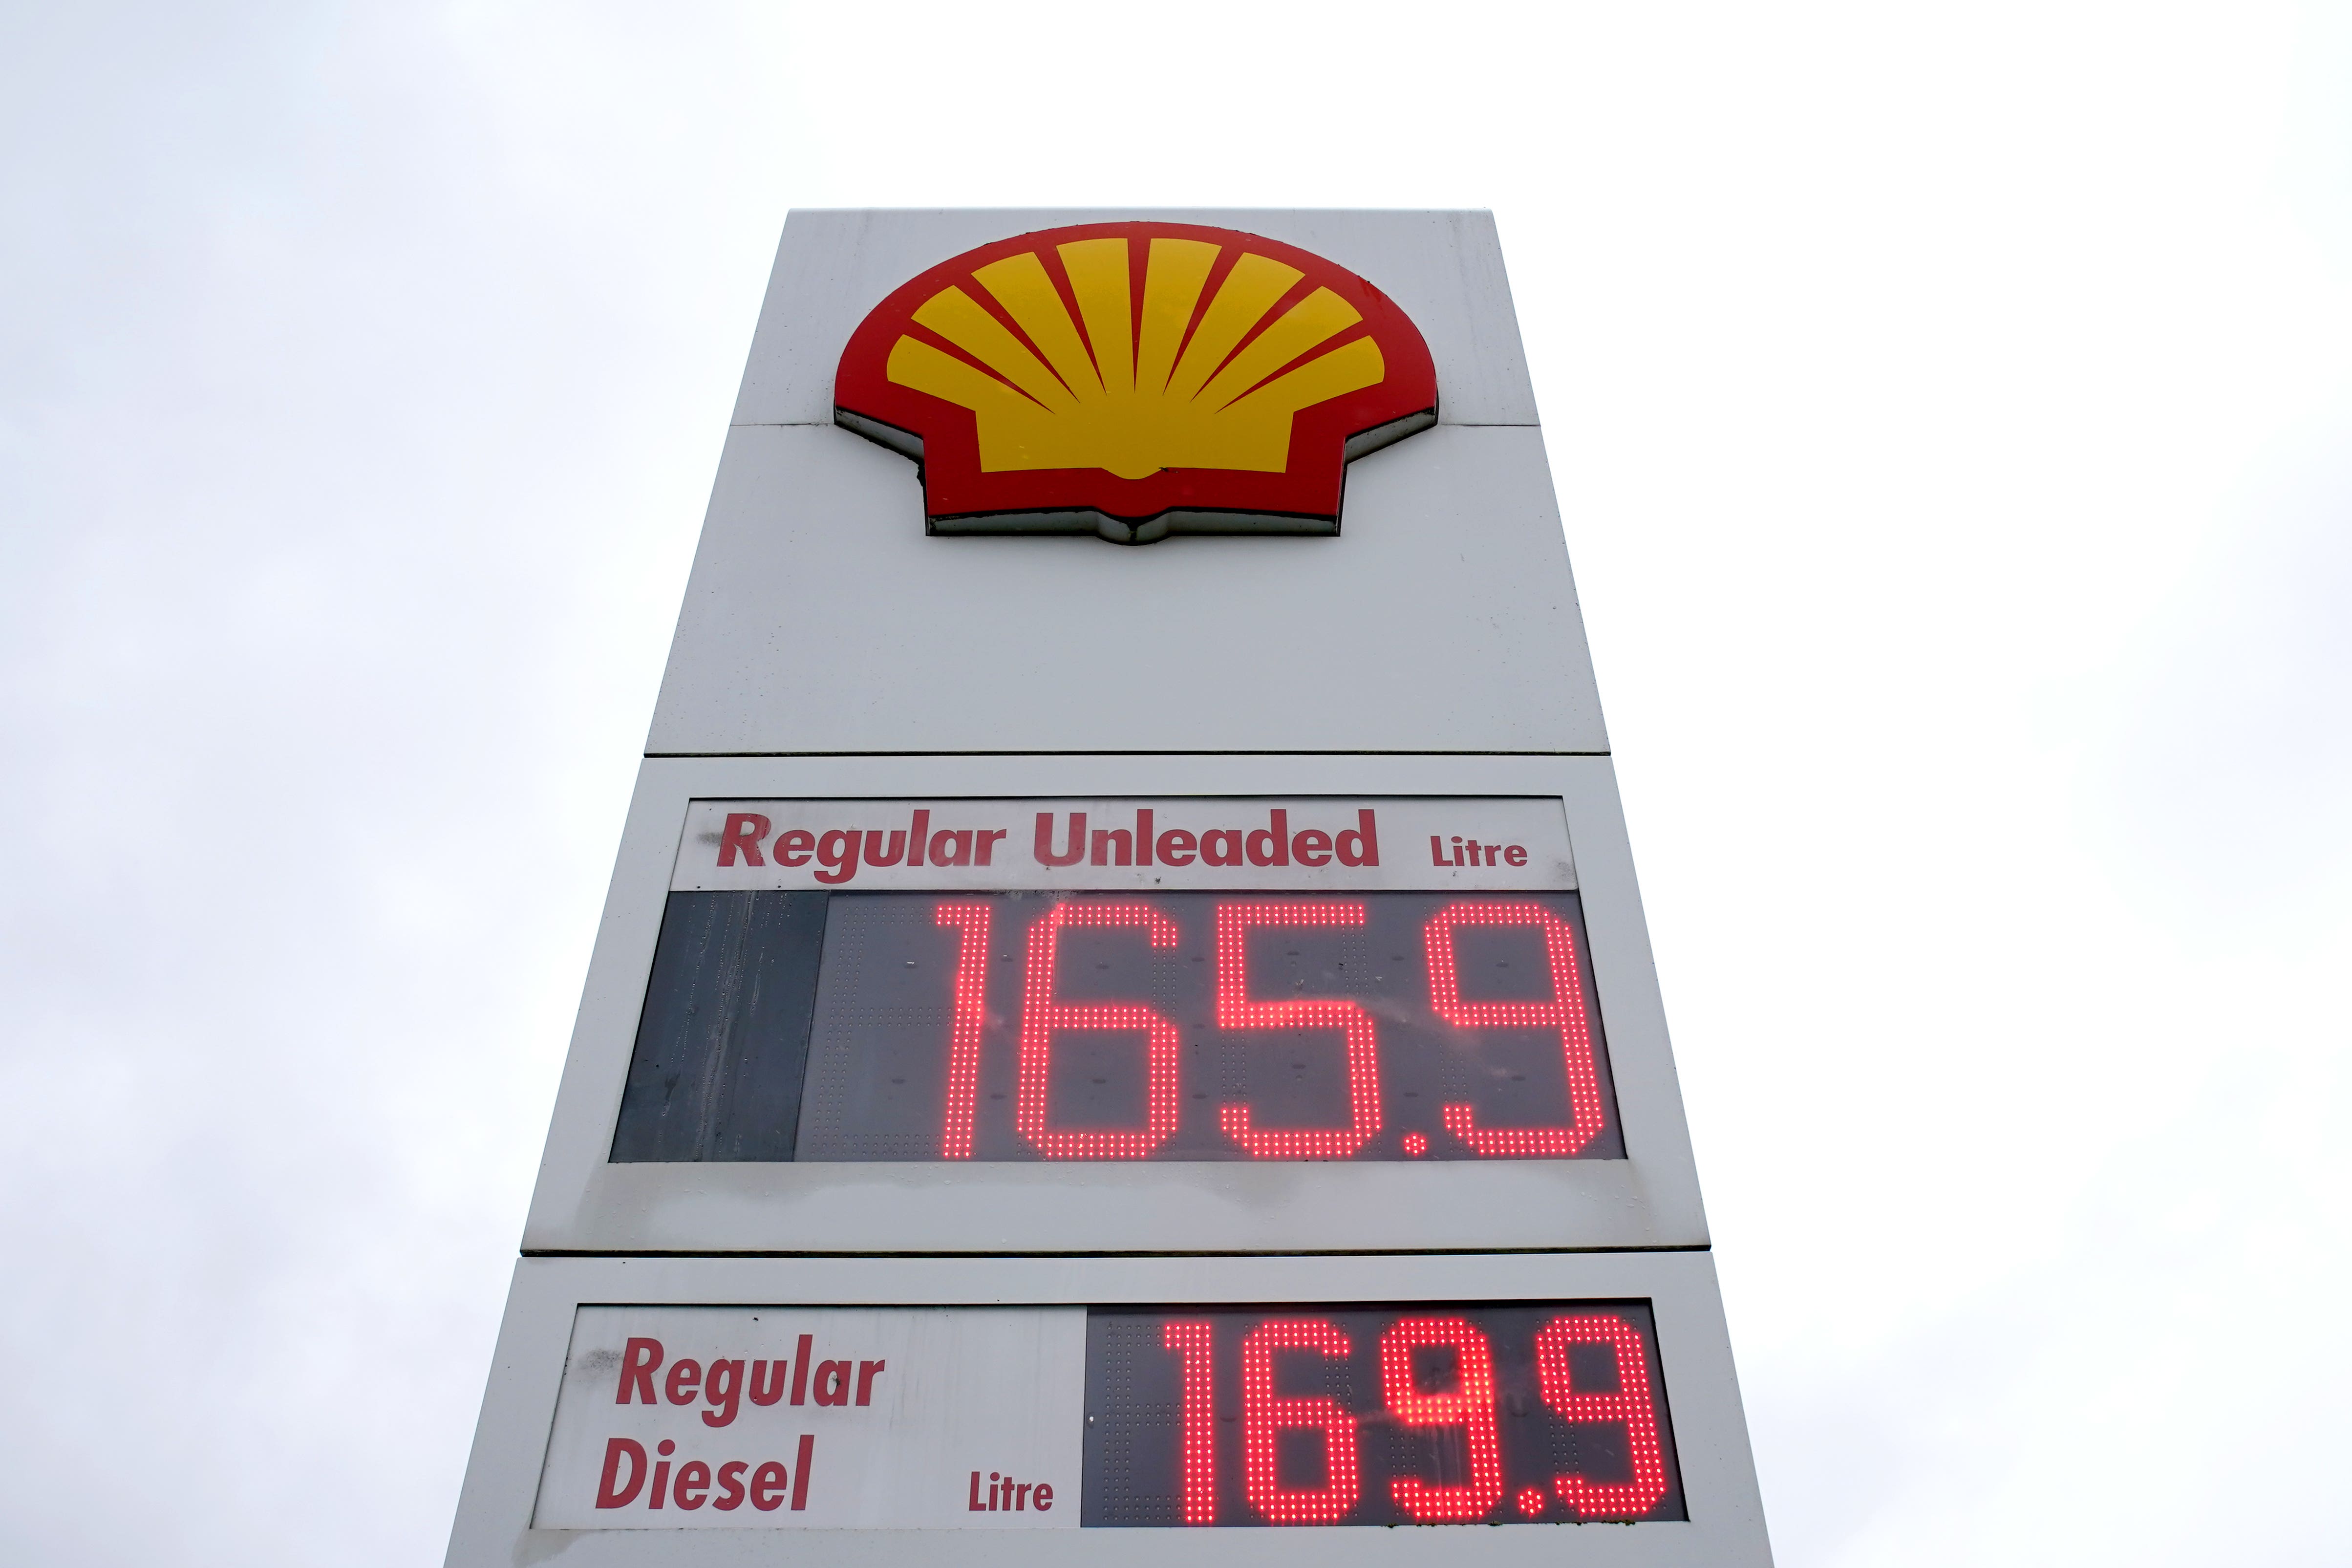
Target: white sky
1950, 408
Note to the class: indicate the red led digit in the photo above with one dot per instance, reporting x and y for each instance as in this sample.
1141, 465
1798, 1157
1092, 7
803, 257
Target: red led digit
1267, 1416
1470, 1405
1629, 1405
1564, 1012
1041, 1016
1235, 1010
970, 1013
1191, 1341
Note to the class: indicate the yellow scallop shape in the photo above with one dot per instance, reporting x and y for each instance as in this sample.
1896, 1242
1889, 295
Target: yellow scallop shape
1129, 392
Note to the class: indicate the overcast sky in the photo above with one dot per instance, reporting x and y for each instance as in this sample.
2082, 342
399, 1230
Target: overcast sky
1950, 408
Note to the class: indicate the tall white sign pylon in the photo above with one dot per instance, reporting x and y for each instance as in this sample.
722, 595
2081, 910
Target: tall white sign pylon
1123, 1009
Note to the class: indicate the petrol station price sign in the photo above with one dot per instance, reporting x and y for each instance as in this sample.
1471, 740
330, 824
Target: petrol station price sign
1157, 1074
1200, 980
1183, 1416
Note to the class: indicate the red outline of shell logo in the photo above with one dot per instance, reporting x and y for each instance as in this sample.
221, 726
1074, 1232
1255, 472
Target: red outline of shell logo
1135, 379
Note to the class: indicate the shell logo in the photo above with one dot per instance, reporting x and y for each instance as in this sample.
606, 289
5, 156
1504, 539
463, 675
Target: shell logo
1135, 379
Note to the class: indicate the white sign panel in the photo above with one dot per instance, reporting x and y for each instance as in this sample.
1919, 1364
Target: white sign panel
1315, 844
818, 1419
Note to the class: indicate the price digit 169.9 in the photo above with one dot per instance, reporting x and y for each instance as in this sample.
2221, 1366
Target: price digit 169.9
1471, 1406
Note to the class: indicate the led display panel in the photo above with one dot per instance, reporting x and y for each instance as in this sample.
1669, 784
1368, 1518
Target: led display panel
1176, 1026
1477, 1413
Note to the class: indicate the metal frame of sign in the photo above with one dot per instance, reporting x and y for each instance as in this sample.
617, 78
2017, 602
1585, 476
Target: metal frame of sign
1724, 1530
584, 1203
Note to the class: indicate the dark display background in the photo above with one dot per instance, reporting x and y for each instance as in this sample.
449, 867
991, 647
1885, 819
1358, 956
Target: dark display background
838, 1009
722, 1044
1133, 1449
